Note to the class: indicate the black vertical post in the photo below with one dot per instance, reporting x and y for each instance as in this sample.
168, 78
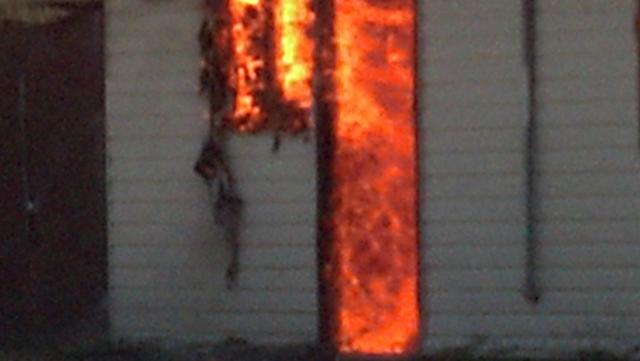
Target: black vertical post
636, 30
324, 109
532, 289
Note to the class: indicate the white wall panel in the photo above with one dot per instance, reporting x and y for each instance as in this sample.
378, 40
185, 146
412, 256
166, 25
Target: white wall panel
167, 257
473, 130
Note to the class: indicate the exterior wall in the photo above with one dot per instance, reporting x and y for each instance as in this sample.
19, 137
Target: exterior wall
473, 221
167, 259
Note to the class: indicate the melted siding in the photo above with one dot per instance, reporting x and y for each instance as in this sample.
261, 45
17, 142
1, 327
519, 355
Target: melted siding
167, 260
167, 264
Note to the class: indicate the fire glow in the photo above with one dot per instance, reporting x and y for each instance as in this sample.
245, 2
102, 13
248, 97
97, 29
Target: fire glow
373, 257
272, 64
294, 50
369, 225
249, 53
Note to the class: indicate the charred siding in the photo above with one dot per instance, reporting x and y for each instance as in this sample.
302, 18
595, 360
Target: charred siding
167, 264
167, 259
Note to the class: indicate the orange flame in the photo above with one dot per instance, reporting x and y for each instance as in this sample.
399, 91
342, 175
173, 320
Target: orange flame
294, 50
374, 252
272, 55
372, 264
247, 33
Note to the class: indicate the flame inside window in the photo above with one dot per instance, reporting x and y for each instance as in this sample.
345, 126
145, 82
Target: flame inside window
372, 261
294, 50
270, 63
369, 229
250, 54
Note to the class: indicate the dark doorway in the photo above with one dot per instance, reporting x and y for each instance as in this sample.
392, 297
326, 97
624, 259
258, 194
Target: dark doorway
52, 180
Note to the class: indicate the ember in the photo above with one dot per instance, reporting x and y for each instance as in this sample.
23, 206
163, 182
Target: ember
372, 262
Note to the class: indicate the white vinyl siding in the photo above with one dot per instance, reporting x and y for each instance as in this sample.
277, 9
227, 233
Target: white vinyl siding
167, 258
474, 141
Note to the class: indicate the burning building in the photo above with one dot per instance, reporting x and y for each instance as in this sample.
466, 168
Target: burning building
447, 170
